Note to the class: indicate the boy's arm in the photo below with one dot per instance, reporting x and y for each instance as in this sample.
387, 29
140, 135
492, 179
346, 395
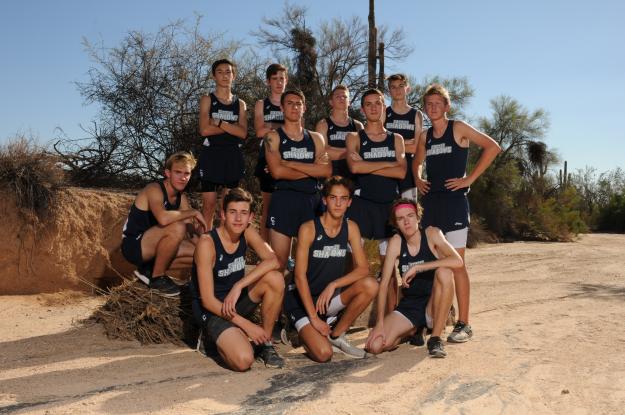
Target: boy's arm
417, 165
359, 271
321, 167
274, 160
490, 149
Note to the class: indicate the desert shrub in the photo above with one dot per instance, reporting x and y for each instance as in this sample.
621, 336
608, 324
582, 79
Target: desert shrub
32, 175
612, 216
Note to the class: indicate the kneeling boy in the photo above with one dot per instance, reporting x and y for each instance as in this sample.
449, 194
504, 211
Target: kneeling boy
322, 287
225, 296
425, 261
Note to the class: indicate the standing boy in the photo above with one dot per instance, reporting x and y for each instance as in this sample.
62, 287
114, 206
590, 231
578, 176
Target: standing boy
406, 121
336, 127
223, 124
268, 116
445, 149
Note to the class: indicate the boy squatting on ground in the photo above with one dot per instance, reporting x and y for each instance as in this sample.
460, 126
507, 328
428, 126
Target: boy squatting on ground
225, 296
322, 286
155, 235
425, 261
445, 147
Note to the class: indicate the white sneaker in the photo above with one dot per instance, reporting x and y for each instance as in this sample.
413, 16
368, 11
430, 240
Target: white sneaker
341, 344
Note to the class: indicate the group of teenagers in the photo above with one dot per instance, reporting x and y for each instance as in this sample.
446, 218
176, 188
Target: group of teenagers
323, 193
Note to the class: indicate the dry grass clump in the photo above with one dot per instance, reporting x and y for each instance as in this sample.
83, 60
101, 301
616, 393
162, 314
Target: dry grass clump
32, 175
134, 312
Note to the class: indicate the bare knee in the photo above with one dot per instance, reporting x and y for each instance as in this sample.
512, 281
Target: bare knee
321, 354
369, 286
445, 276
177, 230
275, 281
240, 361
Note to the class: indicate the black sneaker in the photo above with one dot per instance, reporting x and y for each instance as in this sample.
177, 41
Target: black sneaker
435, 347
418, 339
165, 286
268, 354
462, 332
144, 273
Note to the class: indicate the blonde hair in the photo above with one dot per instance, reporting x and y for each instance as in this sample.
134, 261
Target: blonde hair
437, 89
181, 157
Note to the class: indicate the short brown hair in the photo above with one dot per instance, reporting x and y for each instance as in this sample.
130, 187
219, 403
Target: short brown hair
274, 68
238, 195
417, 207
372, 91
339, 87
332, 181
222, 62
437, 89
180, 157
397, 77
295, 92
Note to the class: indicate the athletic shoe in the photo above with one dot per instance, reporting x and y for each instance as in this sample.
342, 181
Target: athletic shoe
340, 344
418, 339
462, 332
165, 286
278, 334
268, 354
144, 273
290, 264
435, 347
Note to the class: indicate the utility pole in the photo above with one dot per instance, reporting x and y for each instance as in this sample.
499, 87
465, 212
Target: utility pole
373, 40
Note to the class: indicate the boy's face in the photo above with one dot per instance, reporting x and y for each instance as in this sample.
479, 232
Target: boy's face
436, 107
337, 201
237, 216
340, 100
398, 89
277, 82
224, 75
373, 107
406, 221
293, 107
178, 175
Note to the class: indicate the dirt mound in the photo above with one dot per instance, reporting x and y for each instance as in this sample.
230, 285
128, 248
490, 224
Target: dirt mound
77, 246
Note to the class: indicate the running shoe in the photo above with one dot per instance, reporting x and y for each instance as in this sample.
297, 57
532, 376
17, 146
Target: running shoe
340, 344
462, 332
418, 339
268, 354
165, 286
144, 273
435, 347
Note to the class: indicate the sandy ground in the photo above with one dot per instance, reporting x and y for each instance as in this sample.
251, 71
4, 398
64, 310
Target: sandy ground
548, 338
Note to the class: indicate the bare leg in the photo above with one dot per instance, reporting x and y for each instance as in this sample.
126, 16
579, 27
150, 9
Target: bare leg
281, 245
264, 231
269, 290
463, 289
318, 347
234, 347
162, 243
392, 293
209, 201
441, 299
395, 328
357, 297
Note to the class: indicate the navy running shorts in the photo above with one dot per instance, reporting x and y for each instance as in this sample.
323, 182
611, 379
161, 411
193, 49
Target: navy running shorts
371, 217
289, 209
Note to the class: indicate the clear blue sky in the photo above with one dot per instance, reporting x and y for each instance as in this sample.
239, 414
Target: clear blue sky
564, 56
